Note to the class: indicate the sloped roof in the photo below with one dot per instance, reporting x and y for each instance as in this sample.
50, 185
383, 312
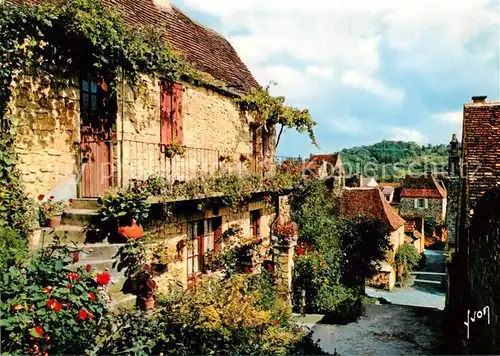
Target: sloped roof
422, 186
421, 193
312, 162
371, 203
207, 50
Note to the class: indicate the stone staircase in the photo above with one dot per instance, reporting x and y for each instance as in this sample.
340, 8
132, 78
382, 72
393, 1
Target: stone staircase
76, 230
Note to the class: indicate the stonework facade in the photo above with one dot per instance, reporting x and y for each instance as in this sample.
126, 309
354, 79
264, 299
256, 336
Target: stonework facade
46, 123
409, 208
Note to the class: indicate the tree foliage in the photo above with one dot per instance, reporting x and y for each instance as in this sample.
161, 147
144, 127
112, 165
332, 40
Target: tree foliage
389, 160
271, 110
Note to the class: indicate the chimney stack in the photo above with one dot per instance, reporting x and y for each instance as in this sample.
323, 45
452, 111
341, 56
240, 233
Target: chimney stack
479, 99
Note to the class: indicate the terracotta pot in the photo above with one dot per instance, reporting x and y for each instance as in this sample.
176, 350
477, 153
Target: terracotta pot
55, 221
146, 303
131, 232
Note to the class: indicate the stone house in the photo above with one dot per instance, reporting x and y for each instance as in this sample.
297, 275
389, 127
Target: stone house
474, 225
358, 181
423, 196
68, 149
323, 165
371, 203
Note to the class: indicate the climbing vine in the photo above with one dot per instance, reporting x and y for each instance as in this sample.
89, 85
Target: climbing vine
271, 110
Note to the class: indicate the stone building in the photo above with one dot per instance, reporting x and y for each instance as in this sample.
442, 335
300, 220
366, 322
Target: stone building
474, 223
423, 196
370, 202
69, 148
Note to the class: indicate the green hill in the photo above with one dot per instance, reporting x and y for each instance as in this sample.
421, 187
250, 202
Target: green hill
390, 160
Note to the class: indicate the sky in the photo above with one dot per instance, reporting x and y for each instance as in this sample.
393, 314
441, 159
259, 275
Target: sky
366, 70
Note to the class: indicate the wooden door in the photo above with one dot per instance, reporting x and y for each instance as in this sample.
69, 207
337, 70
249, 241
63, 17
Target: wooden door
95, 138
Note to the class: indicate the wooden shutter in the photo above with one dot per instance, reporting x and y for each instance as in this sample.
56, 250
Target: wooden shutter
426, 203
177, 127
166, 103
416, 203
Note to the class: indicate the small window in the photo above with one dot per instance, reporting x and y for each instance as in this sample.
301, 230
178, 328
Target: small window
253, 140
265, 143
421, 203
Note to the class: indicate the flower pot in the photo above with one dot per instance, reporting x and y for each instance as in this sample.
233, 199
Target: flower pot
55, 221
146, 303
131, 232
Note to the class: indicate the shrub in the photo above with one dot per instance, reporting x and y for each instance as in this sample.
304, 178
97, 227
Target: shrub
407, 257
339, 304
48, 209
47, 307
121, 208
13, 251
222, 318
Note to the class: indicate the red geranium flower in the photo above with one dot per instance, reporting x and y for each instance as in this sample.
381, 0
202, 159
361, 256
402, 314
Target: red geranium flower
68, 286
82, 315
51, 197
54, 305
9, 186
92, 296
73, 276
248, 270
88, 268
103, 278
76, 257
40, 197
47, 290
269, 267
39, 330
70, 200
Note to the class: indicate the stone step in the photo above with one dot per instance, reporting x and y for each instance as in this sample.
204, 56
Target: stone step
99, 265
79, 217
69, 234
85, 203
98, 251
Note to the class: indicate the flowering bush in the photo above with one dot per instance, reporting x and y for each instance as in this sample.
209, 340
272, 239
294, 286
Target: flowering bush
48, 307
49, 208
285, 232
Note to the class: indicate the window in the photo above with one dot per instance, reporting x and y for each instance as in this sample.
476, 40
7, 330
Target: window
253, 140
204, 236
88, 104
421, 203
171, 113
95, 109
255, 224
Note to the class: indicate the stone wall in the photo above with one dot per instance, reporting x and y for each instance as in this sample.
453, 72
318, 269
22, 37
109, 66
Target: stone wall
397, 238
174, 230
435, 208
216, 134
283, 262
46, 124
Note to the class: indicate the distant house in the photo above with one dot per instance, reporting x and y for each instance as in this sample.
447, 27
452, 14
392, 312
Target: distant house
423, 196
414, 237
370, 202
392, 193
323, 165
358, 181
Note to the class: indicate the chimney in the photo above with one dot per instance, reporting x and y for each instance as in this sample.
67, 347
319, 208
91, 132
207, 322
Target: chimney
360, 180
479, 99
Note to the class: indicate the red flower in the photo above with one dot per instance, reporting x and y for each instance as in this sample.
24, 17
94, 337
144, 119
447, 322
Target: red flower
39, 330
269, 267
76, 257
54, 305
300, 251
40, 197
17, 307
103, 278
51, 197
47, 290
92, 296
70, 200
82, 315
69, 286
248, 270
9, 186
88, 268
73, 276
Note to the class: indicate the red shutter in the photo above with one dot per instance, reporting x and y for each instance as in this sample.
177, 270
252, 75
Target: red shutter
166, 113
178, 133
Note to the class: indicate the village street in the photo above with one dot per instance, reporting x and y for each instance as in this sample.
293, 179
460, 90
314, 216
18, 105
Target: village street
408, 320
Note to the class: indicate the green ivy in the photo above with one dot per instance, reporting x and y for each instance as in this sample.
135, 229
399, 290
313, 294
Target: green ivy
407, 258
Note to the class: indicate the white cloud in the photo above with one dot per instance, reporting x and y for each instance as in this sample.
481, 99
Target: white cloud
348, 125
405, 134
371, 85
454, 117
324, 72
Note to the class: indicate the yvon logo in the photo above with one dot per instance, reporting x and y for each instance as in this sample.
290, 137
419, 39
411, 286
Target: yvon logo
477, 314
